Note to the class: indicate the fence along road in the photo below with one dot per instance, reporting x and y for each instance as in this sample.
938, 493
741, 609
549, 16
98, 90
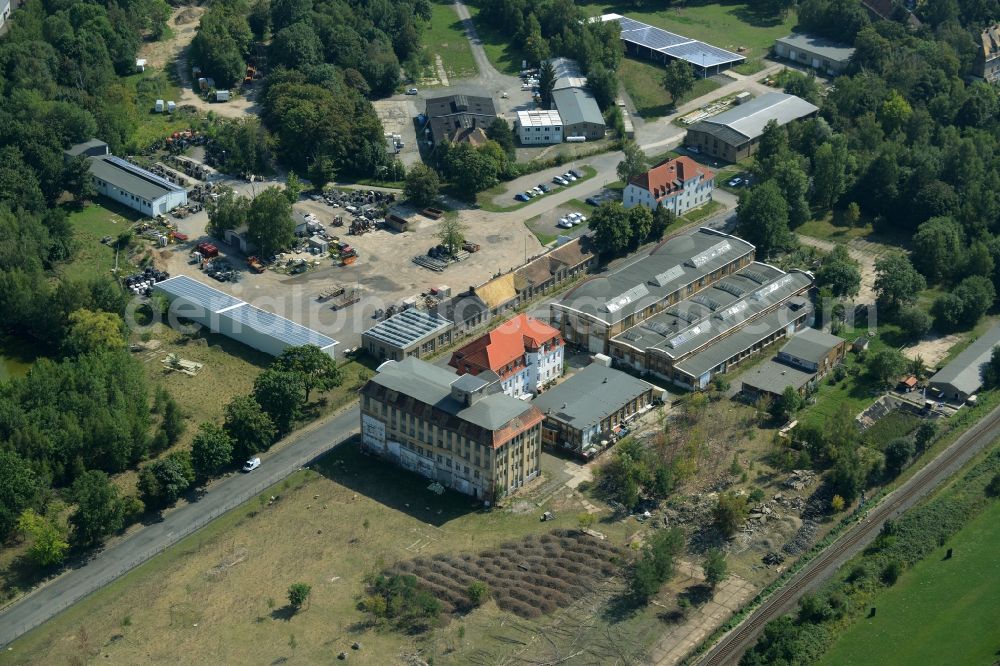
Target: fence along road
104, 567
731, 646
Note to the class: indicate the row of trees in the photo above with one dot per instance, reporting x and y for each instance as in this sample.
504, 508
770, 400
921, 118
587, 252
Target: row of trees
617, 229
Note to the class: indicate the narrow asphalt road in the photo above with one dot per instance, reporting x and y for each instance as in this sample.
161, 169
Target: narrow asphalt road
104, 567
731, 647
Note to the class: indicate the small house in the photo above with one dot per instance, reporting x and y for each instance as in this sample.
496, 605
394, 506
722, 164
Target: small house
140, 65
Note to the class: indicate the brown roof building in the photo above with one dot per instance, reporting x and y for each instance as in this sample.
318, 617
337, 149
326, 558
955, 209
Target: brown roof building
988, 55
458, 112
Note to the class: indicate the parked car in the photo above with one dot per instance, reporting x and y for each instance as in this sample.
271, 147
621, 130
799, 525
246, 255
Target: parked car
559, 180
578, 174
692, 149
520, 196
735, 182
529, 194
538, 191
564, 223
593, 201
251, 464
569, 176
411, 91
543, 187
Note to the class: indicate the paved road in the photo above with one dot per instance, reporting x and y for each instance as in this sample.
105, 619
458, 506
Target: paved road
731, 647
303, 448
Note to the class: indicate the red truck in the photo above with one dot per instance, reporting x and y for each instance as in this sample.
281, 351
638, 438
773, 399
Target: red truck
208, 250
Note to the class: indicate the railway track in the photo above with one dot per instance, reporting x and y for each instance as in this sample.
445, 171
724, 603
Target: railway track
732, 645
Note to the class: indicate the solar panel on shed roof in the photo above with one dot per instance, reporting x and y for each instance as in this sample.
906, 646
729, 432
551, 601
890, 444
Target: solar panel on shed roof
191, 290
654, 38
702, 54
630, 24
278, 327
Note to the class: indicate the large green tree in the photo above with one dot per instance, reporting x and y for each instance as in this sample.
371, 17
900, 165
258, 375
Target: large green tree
269, 221
897, 282
211, 451
19, 488
610, 224
422, 185
938, 248
281, 395
656, 565
546, 84
633, 162
840, 272
678, 79
162, 481
252, 430
317, 369
763, 218
99, 510
227, 210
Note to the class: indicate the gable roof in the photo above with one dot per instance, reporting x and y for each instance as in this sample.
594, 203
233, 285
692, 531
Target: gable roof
503, 345
577, 105
821, 46
990, 38
130, 178
472, 135
455, 112
964, 371
811, 345
670, 176
747, 121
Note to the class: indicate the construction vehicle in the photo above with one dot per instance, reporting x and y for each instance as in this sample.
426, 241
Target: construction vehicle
255, 264
208, 250
346, 299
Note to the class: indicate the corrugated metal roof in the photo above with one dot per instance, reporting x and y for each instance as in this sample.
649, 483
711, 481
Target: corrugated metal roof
747, 121
130, 178
963, 372
811, 345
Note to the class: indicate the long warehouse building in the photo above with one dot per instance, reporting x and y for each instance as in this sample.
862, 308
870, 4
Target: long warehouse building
595, 311
236, 319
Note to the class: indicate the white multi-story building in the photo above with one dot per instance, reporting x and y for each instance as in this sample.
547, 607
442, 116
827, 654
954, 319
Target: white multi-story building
538, 126
524, 355
679, 185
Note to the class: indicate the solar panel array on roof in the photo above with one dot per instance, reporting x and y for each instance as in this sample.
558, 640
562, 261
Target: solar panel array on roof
664, 278
197, 293
408, 327
672, 44
278, 327
633, 294
703, 258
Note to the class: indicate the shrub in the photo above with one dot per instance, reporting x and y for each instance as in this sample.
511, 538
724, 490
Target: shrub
891, 572
477, 592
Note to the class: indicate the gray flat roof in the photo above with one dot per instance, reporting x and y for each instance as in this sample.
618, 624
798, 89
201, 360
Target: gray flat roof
963, 372
240, 312
748, 120
577, 105
408, 328
825, 48
130, 178
431, 385
670, 266
743, 339
811, 345
677, 46
774, 377
590, 396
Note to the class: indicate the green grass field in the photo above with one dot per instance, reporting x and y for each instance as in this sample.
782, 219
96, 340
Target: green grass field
90, 225
443, 36
940, 612
728, 25
644, 83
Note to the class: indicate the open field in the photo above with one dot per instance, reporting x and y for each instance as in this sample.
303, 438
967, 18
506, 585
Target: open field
501, 49
825, 229
728, 25
443, 37
219, 596
644, 83
91, 224
939, 612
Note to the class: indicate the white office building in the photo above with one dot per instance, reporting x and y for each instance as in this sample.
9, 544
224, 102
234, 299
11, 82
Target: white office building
539, 127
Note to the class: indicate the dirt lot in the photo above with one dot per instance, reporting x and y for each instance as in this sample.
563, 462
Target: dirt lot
865, 253
183, 23
397, 118
384, 272
933, 349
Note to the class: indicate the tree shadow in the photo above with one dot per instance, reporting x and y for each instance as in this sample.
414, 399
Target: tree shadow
621, 607
393, 486
698, 595
285, 613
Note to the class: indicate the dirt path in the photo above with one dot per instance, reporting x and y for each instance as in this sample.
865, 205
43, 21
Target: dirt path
442, 75
865, 257
184, 23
